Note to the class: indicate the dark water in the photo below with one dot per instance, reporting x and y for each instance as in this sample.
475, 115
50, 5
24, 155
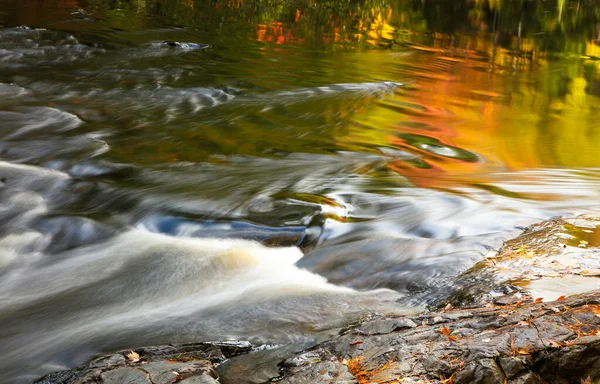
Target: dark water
185, 171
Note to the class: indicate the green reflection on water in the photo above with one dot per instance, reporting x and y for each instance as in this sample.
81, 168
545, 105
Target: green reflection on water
513, 84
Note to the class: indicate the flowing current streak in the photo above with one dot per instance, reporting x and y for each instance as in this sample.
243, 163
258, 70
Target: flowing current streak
141, 287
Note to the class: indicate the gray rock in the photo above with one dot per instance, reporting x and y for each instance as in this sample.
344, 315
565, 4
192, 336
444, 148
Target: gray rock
123, 376
303, 360
386, 326
203, 379
491, 345
528, 378
511, 366
159, 365
524, 344
484, 371
323, 372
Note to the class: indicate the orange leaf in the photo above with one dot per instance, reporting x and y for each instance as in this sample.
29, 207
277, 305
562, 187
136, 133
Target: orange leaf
445, 331
356, 342
554, 344
448, 380
562, 298
528, 350
452, 338
538, 300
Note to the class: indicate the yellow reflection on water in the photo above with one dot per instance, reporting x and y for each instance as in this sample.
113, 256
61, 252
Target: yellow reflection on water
514, 113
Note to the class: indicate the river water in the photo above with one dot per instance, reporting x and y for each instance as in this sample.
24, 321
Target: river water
267, 171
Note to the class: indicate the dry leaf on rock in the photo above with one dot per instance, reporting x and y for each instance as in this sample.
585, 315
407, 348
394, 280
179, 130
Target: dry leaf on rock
133, 356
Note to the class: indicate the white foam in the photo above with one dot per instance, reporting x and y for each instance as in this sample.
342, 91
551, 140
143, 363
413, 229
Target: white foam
180, 267
31, 170
141, 283
39, 118
22, 247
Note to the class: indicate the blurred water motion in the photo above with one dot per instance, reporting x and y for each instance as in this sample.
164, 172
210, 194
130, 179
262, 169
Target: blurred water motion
192, 170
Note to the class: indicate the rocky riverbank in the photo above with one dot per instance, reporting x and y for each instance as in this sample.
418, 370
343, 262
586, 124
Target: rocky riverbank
492, 329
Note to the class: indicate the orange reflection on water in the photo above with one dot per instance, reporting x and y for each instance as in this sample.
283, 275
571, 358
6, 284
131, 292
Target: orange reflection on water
512, 111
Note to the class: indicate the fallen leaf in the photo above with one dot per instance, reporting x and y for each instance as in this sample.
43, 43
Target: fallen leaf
554, 344
448, 380
538, 300
133, 356
356, 342
445, 331
562, 298
452, 338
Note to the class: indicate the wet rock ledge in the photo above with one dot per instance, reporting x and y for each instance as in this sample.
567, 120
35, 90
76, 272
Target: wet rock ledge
556, 342
506, 335
184, 363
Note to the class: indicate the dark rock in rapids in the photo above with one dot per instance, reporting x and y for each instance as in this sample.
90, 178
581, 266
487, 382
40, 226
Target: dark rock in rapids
509, 338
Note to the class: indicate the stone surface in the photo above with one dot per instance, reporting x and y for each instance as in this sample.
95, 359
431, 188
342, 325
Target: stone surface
525, 343
386, 326
549, 259
190, 363
529, 342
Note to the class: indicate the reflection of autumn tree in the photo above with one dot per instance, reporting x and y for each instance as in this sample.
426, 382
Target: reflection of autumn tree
335, 22
288, 21
524, 25
551, 25
516, 82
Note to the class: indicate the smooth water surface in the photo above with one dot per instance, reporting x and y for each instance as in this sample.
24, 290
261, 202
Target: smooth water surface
199, 170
